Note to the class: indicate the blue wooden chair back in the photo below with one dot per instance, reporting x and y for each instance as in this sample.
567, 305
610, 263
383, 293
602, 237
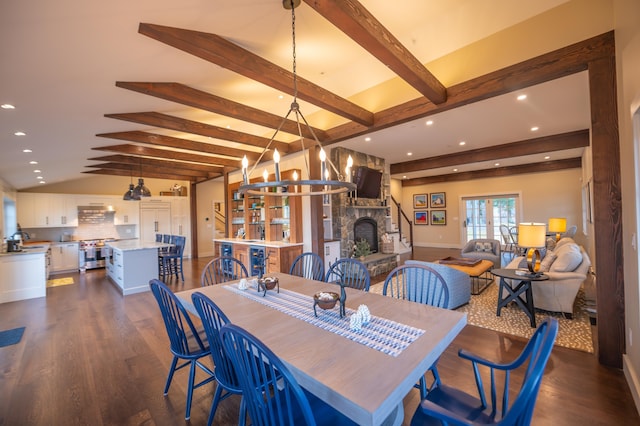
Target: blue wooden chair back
158, 238
308, 265
417, 283
177, 322
351, 272
222, 269
448, 404
273, 396
213, 319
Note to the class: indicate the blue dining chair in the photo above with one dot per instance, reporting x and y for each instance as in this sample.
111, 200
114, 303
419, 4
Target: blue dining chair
421, 284
213, 319
222, 269
351, 272
273, 396
308, 265
446, 404
184, 339
171, 259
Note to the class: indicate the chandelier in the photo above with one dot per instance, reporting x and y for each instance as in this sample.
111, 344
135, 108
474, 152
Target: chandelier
322, 186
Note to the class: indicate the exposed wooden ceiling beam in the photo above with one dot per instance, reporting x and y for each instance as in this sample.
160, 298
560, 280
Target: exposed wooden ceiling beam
171, 142
165, 121
156, 175
220, 51
549, 66
134, 162
359, 24
547, 166
185, 95
564, 141
151, 169
167, 154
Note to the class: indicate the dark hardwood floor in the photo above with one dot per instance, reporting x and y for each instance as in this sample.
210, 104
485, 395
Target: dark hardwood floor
92, 357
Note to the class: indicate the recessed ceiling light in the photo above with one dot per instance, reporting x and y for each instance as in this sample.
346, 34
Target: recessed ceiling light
26, 150
462, 143
455, 170
39, 177
496, 164
42, 181
281, 97
409, 154
20, 134
404, 177
7, 106
33, 162
228, 126
36, 171
429, 122
522, 97
367, 139
534, 128
546, 157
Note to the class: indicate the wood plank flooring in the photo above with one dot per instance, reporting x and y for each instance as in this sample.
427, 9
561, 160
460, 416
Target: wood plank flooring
92, 357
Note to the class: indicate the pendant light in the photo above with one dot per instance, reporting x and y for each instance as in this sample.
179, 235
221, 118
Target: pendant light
130, 195
141, 190
322, 186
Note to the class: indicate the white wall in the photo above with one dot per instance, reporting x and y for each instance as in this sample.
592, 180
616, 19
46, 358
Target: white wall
206, 194
543, 195
627, 32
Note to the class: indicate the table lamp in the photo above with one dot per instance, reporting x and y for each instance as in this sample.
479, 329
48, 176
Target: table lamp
532, 236
558, 225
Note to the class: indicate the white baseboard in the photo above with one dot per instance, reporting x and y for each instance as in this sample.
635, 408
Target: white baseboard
632, 380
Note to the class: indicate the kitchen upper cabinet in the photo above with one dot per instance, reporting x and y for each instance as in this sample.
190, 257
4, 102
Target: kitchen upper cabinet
127, 213
64, 257
155, 218
46, 210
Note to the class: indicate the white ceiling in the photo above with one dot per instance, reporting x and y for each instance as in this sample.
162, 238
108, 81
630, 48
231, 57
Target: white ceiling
60, 62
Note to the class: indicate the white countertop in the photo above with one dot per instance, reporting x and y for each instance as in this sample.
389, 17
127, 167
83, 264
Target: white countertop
128, 245
256, 242
38, 250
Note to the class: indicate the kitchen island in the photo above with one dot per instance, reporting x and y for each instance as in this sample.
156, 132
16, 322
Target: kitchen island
132, 264
23, 274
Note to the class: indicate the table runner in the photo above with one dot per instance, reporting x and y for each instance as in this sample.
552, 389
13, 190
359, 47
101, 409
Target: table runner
381, 334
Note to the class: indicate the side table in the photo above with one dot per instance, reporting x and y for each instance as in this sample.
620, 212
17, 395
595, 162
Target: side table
524, 286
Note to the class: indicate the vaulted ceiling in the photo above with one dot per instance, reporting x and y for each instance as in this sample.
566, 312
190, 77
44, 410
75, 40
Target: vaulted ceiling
185, 137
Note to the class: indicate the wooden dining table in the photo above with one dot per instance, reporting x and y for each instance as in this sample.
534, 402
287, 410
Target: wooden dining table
365, 382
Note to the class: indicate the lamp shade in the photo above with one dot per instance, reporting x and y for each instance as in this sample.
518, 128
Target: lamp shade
532, 235
557, 224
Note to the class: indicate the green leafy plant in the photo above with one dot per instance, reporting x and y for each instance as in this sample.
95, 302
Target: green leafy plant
361, 248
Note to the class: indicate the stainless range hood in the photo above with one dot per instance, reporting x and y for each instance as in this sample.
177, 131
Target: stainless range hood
92, 215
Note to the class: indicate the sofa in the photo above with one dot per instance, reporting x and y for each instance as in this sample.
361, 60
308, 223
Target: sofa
486, 249
567, 266
458, 283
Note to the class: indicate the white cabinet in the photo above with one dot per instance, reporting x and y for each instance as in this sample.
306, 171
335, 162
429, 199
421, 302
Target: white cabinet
327, 221
64, 257
331, 253
127, 213
23, 276
132, 269
155, 218
181, 221
46, 210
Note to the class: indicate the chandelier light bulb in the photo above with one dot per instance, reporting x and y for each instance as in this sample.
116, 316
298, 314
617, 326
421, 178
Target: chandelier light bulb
265, 175
245, 165
276, 161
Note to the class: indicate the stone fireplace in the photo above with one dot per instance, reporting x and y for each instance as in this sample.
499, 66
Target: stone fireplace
366, 228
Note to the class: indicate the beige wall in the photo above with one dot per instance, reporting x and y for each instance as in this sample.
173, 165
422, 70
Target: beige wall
628, 68
541, 197
207, 193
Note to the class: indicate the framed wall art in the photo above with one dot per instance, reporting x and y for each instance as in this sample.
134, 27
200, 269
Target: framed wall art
438, 217
438, 200
421, 218
420, 201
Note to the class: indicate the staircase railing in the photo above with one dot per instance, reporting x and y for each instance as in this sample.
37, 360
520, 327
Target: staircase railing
403, 218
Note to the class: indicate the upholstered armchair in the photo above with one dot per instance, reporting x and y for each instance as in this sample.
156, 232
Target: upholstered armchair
483, 249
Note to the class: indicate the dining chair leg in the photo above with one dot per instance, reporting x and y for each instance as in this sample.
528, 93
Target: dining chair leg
172, 370
192, 378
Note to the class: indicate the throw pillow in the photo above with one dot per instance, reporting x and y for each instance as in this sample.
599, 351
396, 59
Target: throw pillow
569, 258
479, 247
546, 262
488, 247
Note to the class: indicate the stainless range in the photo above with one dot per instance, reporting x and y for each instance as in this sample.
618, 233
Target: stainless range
93, 253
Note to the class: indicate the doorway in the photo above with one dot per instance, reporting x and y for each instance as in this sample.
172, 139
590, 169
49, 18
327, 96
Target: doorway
484, 215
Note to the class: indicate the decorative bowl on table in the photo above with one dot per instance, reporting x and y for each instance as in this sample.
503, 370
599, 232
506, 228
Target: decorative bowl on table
326, 299
268, 283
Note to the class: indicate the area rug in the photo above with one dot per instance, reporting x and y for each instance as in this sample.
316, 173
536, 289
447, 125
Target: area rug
481, 311
11, 337
59, 281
